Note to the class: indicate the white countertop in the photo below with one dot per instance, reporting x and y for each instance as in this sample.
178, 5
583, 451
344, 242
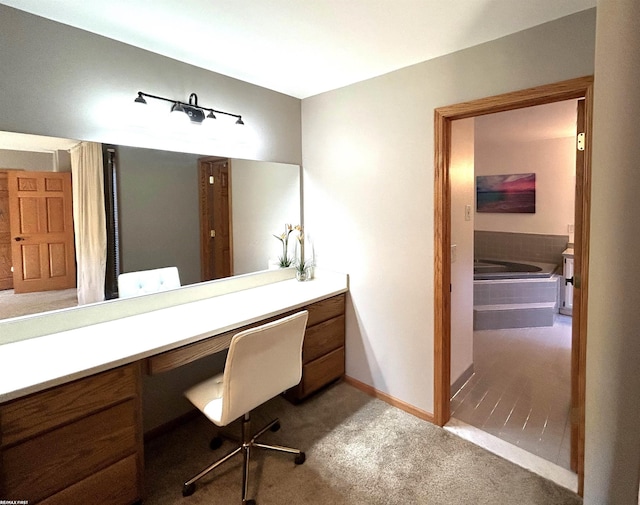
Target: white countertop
39, 363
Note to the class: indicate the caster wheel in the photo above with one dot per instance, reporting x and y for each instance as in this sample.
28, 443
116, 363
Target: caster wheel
216, 443
275, 427
300, 458
188, 490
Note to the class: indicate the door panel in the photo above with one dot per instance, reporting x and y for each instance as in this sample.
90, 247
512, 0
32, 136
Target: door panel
41, 223
55, 215
30, 262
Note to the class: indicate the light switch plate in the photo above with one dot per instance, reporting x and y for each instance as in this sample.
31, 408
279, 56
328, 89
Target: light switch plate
467, 212
453, 253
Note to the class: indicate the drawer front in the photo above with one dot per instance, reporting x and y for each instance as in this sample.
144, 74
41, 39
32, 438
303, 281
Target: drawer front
322, 371
48, 463
189, 353
326, 309
115, 485
322, 338
40, 412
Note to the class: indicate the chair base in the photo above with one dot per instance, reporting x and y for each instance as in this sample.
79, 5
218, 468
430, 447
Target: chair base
246, 444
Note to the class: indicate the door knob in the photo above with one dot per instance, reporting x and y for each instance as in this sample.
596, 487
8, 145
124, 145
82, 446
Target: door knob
18, 239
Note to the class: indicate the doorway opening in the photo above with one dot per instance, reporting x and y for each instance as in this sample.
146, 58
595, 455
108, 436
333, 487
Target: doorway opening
510, 344
573, 89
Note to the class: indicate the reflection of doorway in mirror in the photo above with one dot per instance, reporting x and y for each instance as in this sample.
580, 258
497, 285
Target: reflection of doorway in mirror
215, 218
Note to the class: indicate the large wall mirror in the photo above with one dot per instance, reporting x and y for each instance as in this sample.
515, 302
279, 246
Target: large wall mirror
158, 208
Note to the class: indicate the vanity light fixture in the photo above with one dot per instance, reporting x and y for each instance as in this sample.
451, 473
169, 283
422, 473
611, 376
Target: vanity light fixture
195, 112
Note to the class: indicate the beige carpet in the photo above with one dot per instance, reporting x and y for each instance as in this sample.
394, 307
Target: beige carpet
359, 451
12, 305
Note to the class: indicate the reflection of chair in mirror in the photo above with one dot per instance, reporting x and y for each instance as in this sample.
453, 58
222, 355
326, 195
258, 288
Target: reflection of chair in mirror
147, 281
262, 363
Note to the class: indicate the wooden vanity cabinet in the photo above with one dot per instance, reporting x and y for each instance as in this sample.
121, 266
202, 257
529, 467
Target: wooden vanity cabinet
323, 347
75, 442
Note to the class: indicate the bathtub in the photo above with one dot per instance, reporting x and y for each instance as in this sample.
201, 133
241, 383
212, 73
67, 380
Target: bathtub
487, 269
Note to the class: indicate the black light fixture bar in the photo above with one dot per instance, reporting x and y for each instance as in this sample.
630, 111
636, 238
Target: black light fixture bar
195, 111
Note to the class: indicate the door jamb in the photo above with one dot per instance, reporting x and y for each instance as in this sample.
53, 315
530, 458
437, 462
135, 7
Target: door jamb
581, 87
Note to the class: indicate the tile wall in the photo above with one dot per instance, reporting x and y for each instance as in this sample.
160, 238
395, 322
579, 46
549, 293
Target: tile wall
519, 246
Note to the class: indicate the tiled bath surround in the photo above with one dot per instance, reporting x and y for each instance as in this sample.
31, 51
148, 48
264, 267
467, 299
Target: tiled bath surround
519, 246
517, 303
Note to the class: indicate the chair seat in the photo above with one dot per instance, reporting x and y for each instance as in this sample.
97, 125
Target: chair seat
207, 397
262, 362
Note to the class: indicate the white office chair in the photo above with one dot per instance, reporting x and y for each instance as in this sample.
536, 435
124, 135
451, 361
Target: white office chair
147, 281
262, 363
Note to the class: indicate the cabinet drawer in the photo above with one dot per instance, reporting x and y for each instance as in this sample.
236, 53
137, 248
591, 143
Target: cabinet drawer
325, 309
116, 484
322, 338
322, 371
40, 412
48, 463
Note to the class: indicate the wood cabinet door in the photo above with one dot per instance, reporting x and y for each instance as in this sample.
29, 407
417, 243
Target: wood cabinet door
42, 241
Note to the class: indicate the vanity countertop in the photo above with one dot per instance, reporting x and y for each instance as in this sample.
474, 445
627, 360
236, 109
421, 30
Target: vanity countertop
35, 364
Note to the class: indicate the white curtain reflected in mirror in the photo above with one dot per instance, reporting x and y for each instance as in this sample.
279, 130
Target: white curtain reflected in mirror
89, 221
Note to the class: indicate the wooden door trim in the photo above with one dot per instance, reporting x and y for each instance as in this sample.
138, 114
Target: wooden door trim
581, 87
6, 282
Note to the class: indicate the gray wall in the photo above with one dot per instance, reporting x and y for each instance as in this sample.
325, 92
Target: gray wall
159, 216
60, 81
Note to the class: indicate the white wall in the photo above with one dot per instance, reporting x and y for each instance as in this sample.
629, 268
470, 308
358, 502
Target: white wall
265, 197
612, 445
462, 195
554, 163
368, 188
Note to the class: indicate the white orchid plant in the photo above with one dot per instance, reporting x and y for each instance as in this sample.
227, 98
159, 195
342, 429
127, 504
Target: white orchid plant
285, 260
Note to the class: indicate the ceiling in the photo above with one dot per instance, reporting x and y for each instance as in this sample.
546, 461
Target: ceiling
302, 47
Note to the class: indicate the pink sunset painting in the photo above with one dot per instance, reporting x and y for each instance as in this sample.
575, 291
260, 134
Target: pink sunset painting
514, 193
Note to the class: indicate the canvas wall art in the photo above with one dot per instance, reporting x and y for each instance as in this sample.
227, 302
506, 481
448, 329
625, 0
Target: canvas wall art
513, 193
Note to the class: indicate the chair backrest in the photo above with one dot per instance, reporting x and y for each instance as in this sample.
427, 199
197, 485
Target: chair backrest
262, 363
148, 281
